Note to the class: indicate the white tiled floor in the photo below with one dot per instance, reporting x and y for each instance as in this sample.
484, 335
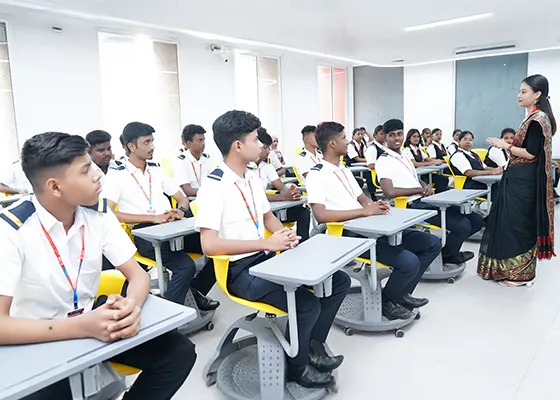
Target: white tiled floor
476, 340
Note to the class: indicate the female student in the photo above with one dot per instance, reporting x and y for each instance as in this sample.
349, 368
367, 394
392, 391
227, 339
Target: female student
466, 163
497, 157
452, 148
436, 149
419, 159
520, 227
426, 139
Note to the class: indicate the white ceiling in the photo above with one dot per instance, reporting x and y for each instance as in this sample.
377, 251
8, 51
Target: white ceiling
368, 31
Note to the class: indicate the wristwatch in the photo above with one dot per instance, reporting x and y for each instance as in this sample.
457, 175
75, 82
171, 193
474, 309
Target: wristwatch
185, 211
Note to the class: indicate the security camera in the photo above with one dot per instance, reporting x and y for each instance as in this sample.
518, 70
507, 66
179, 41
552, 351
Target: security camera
225, 57
224, 52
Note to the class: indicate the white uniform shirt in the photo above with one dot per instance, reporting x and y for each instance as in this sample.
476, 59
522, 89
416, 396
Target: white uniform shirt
371, 152
452, 148
407, 152
187, 169
398, 169
275, 161
305, 161
221, 206
334, 186
15, 178
132, 195
113, 165
461, 162
352, 152
498, 156
31, 274
432, 150
266, 173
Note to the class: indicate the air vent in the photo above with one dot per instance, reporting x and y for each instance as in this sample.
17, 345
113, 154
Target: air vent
397, 61
475, 50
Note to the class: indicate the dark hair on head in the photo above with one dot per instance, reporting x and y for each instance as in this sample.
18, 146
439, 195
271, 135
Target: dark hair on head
50, 150
135, 130
264, 137
426, 130
436, 130
190, 130
363, 128
540, 84
465, 133
233, 126
356, 130
378, 128
409, 136
506, 131
98, 137
326, 131
392, 125
456, 131
307, 129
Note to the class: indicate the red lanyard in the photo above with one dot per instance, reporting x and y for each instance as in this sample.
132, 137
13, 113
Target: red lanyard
316, 161
349, 187
149, 198
406, 165
474, 156
196, 176
74, 286
254, 217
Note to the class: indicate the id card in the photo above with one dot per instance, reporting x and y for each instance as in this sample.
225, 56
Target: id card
75, 313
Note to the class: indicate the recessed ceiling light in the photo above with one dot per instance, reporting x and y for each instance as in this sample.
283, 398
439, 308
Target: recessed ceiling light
448, 22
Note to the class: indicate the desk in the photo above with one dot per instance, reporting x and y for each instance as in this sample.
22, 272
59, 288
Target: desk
488, 180
358, 169
285, 181
429, 169
7, 201
36, 366
359, 164
157, 234
280, 207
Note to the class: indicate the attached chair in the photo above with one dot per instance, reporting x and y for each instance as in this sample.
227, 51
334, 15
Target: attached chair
460, 183
482, 153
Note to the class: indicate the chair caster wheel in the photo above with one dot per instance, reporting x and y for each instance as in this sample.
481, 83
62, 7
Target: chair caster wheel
348, 331
418, 315
451, 280
210, 326
211, 379
332, 388
399, 333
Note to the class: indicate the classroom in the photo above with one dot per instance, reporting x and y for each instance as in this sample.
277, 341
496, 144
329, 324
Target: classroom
281, 201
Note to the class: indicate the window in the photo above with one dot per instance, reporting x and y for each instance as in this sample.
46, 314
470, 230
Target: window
140, 82
257, 90
9, 152
331, 83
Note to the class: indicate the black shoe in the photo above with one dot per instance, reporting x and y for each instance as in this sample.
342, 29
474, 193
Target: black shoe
393, 311
204, 303
309, 377
413, 302
325, 363
467, 255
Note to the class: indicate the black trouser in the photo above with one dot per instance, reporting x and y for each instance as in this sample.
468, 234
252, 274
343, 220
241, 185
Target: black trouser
441, 183
302, 216
409, 260
165, 361
182, 266
315, 315
460, 226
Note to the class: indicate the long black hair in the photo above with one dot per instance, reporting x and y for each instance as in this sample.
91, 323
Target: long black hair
540, 84
409, 135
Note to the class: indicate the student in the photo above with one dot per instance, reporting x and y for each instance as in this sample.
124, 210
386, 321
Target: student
500, 157
368, 137
274, 160
310, 155
101, 152
426, 139
376, 148
452, 148
191, 167
466, 163
277, 151
356, 148
335, 197
436, 149
419, 158
232, 215
139, 188
37, 294
397, 177
125, 148
14, 180
268, 176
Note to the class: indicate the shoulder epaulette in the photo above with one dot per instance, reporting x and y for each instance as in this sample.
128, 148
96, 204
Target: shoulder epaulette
205, 155
303, 153
317, 167
119, 166
217, 174
152, 164
384, 154
252, 167
17, 215
101, 206
181, 156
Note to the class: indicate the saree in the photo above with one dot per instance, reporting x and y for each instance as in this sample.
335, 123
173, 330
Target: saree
520, 227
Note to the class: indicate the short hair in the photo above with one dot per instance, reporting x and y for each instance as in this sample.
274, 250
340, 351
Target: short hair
190, 131
308, 129
435, 130
506, 131
363, 128
392, 125
356, 130
326, 131
98, 137
465, 133
135, 130
232, 126
456, 130
378, 128
49, 150
264, 137
121, 139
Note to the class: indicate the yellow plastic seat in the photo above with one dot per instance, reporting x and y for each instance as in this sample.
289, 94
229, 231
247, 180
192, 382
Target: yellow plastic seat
112, 282
268, 234
221, 266
299, 150
374, 179
482, 153
458, 179
167, 165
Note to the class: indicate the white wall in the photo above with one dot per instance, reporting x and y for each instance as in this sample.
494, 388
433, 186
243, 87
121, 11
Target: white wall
429, 98
548, 64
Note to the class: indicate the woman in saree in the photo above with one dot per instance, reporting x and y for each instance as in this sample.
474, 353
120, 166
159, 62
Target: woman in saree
520, 228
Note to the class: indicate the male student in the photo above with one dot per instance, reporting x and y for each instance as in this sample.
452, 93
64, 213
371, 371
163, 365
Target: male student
52, 247
139, 188
310, 155
232, 214
454, 145
268, 175
192, 165
274, 160
397, 177
101, 152
14, 180
335, 197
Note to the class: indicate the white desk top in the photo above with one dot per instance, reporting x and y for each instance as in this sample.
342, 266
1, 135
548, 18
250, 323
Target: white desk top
6, 201
428, 169
453, 197
163, 232
356, 169
488, 179
288, 180
26, 369
282, 205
